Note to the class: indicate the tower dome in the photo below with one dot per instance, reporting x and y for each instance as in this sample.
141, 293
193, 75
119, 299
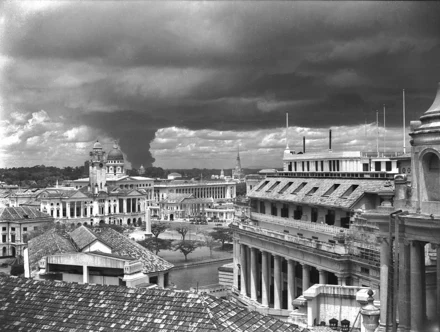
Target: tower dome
97, 145
115, 154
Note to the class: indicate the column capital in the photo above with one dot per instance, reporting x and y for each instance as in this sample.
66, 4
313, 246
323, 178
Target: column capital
304, 265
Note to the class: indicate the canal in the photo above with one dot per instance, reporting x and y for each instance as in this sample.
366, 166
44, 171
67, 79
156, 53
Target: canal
206, 274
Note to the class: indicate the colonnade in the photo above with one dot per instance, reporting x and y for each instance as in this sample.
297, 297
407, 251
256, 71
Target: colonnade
204, 192
411, 291
263, 280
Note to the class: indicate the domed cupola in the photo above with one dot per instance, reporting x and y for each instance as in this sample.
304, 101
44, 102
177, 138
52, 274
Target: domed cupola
115, 154
427, 130
97, 146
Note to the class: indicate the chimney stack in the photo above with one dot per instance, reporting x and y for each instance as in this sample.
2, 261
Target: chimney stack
330, 140
304, 144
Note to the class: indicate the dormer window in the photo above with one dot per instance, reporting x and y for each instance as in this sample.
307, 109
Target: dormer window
312, 191
331, 189
298, 189
349, 191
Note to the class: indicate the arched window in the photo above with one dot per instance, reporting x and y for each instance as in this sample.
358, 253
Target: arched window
13, 251
128, 221
431, 169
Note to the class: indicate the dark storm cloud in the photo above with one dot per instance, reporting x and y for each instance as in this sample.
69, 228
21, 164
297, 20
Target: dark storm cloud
131, 68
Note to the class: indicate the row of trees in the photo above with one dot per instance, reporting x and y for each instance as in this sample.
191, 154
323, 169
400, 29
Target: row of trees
185, 246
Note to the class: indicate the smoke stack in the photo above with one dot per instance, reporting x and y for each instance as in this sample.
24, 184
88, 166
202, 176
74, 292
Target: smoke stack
304, 144
330, 140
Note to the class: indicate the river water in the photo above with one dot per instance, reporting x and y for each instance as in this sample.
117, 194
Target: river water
189, 277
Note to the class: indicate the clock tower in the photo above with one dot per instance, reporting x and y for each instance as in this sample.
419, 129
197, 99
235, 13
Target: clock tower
97, 171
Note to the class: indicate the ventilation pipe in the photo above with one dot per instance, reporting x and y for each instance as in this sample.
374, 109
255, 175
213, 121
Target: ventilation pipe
304, 144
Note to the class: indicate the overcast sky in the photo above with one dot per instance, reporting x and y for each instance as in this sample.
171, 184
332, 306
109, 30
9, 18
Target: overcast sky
183, 84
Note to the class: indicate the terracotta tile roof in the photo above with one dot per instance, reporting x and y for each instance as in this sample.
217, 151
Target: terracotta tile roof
123, 246
83, 236
59, 241
24, 213
27, 304
49, 243
335, 199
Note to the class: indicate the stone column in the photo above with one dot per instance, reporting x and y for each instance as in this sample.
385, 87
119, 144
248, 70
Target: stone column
265, 278
438, 284
322, 276
277, 282
248, 270
384, 264
124, 205
290, 283
243, 275
306, 277
404, 284
416, 293
68, 209
342, 280
236, 256
254, 271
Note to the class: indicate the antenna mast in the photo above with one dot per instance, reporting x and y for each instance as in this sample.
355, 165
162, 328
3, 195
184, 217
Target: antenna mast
404, 144
287, 129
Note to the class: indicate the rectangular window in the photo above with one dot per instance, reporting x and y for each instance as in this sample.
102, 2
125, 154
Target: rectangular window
312, 191
24, 229
4, 238
308, 166
365, 167
287, 186
294, 166
297, 214
263, 185
331, 189
314, 214
272, 187
3, 229
388, 166
330, 165
298, 189
377, 167
13, 238
337, 165
12, 229
302, 165
285, 211
262, 207
322, 165
316, 165
364, 270
273, 209
349, 191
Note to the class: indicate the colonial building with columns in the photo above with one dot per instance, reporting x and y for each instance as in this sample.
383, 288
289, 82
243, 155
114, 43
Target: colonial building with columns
410, 234
306, 227
169, 196
108, 195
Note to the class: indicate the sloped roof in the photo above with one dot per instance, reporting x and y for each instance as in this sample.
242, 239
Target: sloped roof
83, 236
200, 200
59, 241
49, 243
319, 198
27, 304
123, 246
23, 213
176, 198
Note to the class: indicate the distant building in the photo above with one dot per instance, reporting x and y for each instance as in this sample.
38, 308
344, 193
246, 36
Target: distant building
173, 176
237, 172
15, 223
176, 199
141, 170
108, 195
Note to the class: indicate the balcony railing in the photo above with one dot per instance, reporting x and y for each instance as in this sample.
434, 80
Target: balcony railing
301, 224
334, 248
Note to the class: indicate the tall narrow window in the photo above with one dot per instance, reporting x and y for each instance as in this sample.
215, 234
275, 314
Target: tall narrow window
298, 189
349, 191
262, 186
287, 186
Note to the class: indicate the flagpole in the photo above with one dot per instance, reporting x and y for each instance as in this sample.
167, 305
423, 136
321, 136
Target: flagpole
384, 130
404, 136
377, 135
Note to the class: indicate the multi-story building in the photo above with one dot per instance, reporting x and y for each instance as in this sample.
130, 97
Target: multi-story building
409, 233
15, 223
175, 199
306, 227
108, 195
